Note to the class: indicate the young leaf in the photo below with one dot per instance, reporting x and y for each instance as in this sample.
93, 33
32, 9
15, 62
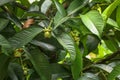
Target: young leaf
40, 63
22, 38
108, 11
118, 16
94, 22
113, 23
115, 72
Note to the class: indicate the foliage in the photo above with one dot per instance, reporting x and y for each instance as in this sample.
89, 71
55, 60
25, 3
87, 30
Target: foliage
59, 40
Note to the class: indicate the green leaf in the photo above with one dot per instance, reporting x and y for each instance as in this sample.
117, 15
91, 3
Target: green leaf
76, 5
89, 76
94, 22
60, 8
4, 42
118, 15
108, 11
34, 7
90, 43
40, 63
45, 6
113, 23
61, 13
14, 19
67, 42
25, 2
114, 63
2, 2
34, 14
34, 76
3, 23
102, 1
8, 31
77, 65
104, 67
112, 45
76, 57
43, 45
58, 71
115, 72
4, 61
15, 71
5, 45
78, 25
59, 20
25, 36
117, 35
19, 12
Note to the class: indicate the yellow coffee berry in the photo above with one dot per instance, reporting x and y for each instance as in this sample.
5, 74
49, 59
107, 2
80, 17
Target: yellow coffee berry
17, 54
59, 79
47, 34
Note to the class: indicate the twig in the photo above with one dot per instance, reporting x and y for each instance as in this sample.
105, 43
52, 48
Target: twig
21, 6
108, 58
6, 9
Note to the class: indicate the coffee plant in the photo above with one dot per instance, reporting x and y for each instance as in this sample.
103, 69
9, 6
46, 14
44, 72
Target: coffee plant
60, 40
